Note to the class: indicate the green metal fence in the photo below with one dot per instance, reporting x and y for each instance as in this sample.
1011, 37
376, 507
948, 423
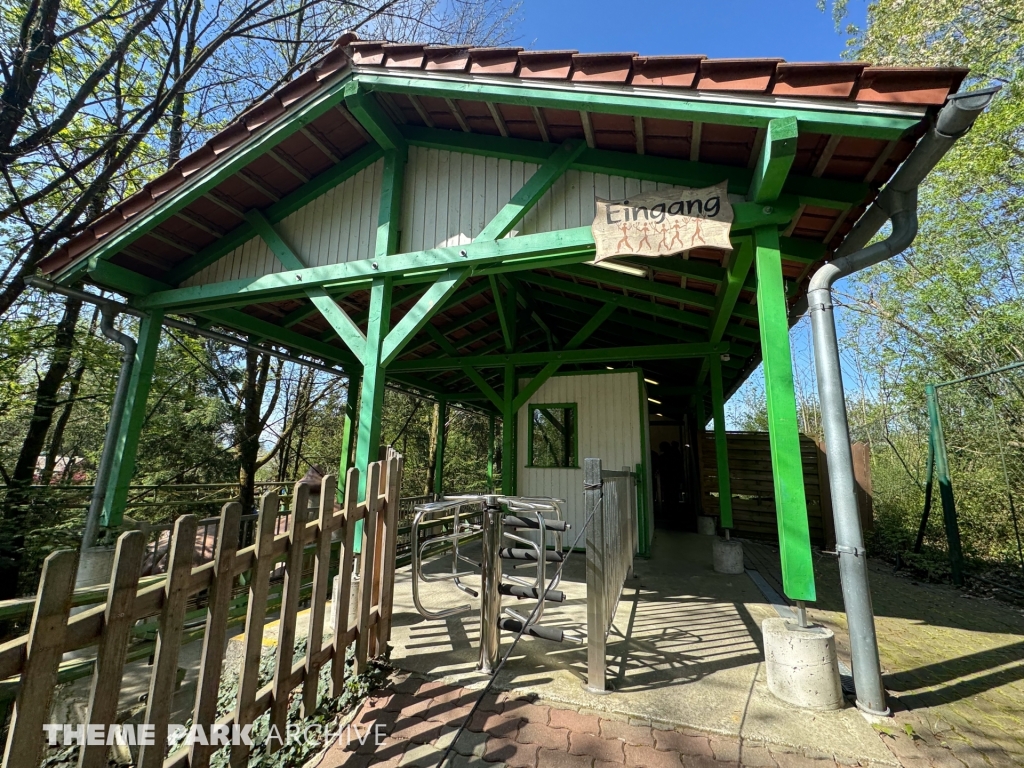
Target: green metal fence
975, 468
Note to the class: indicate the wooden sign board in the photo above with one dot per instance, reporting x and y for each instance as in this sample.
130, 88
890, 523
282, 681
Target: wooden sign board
663, 223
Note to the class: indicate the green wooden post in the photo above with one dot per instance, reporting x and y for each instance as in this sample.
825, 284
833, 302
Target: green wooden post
949, 517
123, 461
371, 402
346, 461
490, 453
784, 433
442, 418
721, 447
508, 428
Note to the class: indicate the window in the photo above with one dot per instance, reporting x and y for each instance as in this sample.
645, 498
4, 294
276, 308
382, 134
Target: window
553, 435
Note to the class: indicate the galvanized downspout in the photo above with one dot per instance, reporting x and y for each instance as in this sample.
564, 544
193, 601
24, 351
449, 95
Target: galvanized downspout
898, 203
99, 491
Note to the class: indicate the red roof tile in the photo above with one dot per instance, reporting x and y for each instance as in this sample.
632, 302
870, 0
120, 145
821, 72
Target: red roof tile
602, 67
854, 81
546, 65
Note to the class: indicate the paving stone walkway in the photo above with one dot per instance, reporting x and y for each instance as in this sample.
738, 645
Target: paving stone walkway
421, 719
953, 664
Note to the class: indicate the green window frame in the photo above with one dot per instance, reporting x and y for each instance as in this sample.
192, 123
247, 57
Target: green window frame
555, 456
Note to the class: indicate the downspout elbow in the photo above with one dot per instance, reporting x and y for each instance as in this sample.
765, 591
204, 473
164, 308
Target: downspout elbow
902, 210
108, 314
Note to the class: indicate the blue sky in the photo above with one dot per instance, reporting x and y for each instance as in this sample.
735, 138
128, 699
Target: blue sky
791, 29
794, 30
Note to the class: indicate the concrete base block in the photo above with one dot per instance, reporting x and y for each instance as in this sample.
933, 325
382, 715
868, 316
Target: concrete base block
727, 556
707, 525
801, 664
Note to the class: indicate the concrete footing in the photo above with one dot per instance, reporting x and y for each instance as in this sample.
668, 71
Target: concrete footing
727, 556
707, 525
801, 664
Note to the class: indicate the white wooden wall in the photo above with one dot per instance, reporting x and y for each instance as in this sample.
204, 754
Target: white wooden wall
449, 197
608, 408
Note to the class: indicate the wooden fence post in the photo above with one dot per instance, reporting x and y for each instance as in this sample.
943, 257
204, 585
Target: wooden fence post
367, 551
113, 647
344, 597
387, 597
215, 637
44, 651
289, 609
318, 597
168, 642
259, 586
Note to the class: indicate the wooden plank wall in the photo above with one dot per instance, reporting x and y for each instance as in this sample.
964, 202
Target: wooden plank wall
35, 660
753, 488
448, 198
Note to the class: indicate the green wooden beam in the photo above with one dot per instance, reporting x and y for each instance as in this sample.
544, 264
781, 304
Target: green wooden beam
775, 160
297, 342
471, 373
653, 288
610, 355
533, 190
347, 459
326, 181
371, 402
638, 305
389, 214
420, 314
505, 307
108, 275
824, 193
524, 298
551, 368
133, 418
332, 312
725, 304
849, 122
509, 460
721, 444
783, 429
371, 116
200, 184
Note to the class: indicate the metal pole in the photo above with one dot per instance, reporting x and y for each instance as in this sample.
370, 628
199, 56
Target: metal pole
597, 564
99, 491
490, 453
490, 577
956, 554
853, 566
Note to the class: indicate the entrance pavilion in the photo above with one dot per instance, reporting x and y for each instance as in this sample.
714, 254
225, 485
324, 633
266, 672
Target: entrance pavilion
422, 215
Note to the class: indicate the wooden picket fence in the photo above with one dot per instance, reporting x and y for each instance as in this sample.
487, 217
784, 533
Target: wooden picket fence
36, 657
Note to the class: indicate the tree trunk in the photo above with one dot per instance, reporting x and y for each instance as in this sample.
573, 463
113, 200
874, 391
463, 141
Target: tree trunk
435, 424
249, 440
19, 492
57, 438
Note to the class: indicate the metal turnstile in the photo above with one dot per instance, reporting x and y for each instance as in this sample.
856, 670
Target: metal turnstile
526, 531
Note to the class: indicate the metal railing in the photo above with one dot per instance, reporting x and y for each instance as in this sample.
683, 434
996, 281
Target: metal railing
610, 500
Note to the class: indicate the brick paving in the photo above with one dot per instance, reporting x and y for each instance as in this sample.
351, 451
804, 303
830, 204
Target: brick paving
521, 733
953, 665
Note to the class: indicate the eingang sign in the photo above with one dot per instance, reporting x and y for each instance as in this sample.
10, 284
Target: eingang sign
663, 223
